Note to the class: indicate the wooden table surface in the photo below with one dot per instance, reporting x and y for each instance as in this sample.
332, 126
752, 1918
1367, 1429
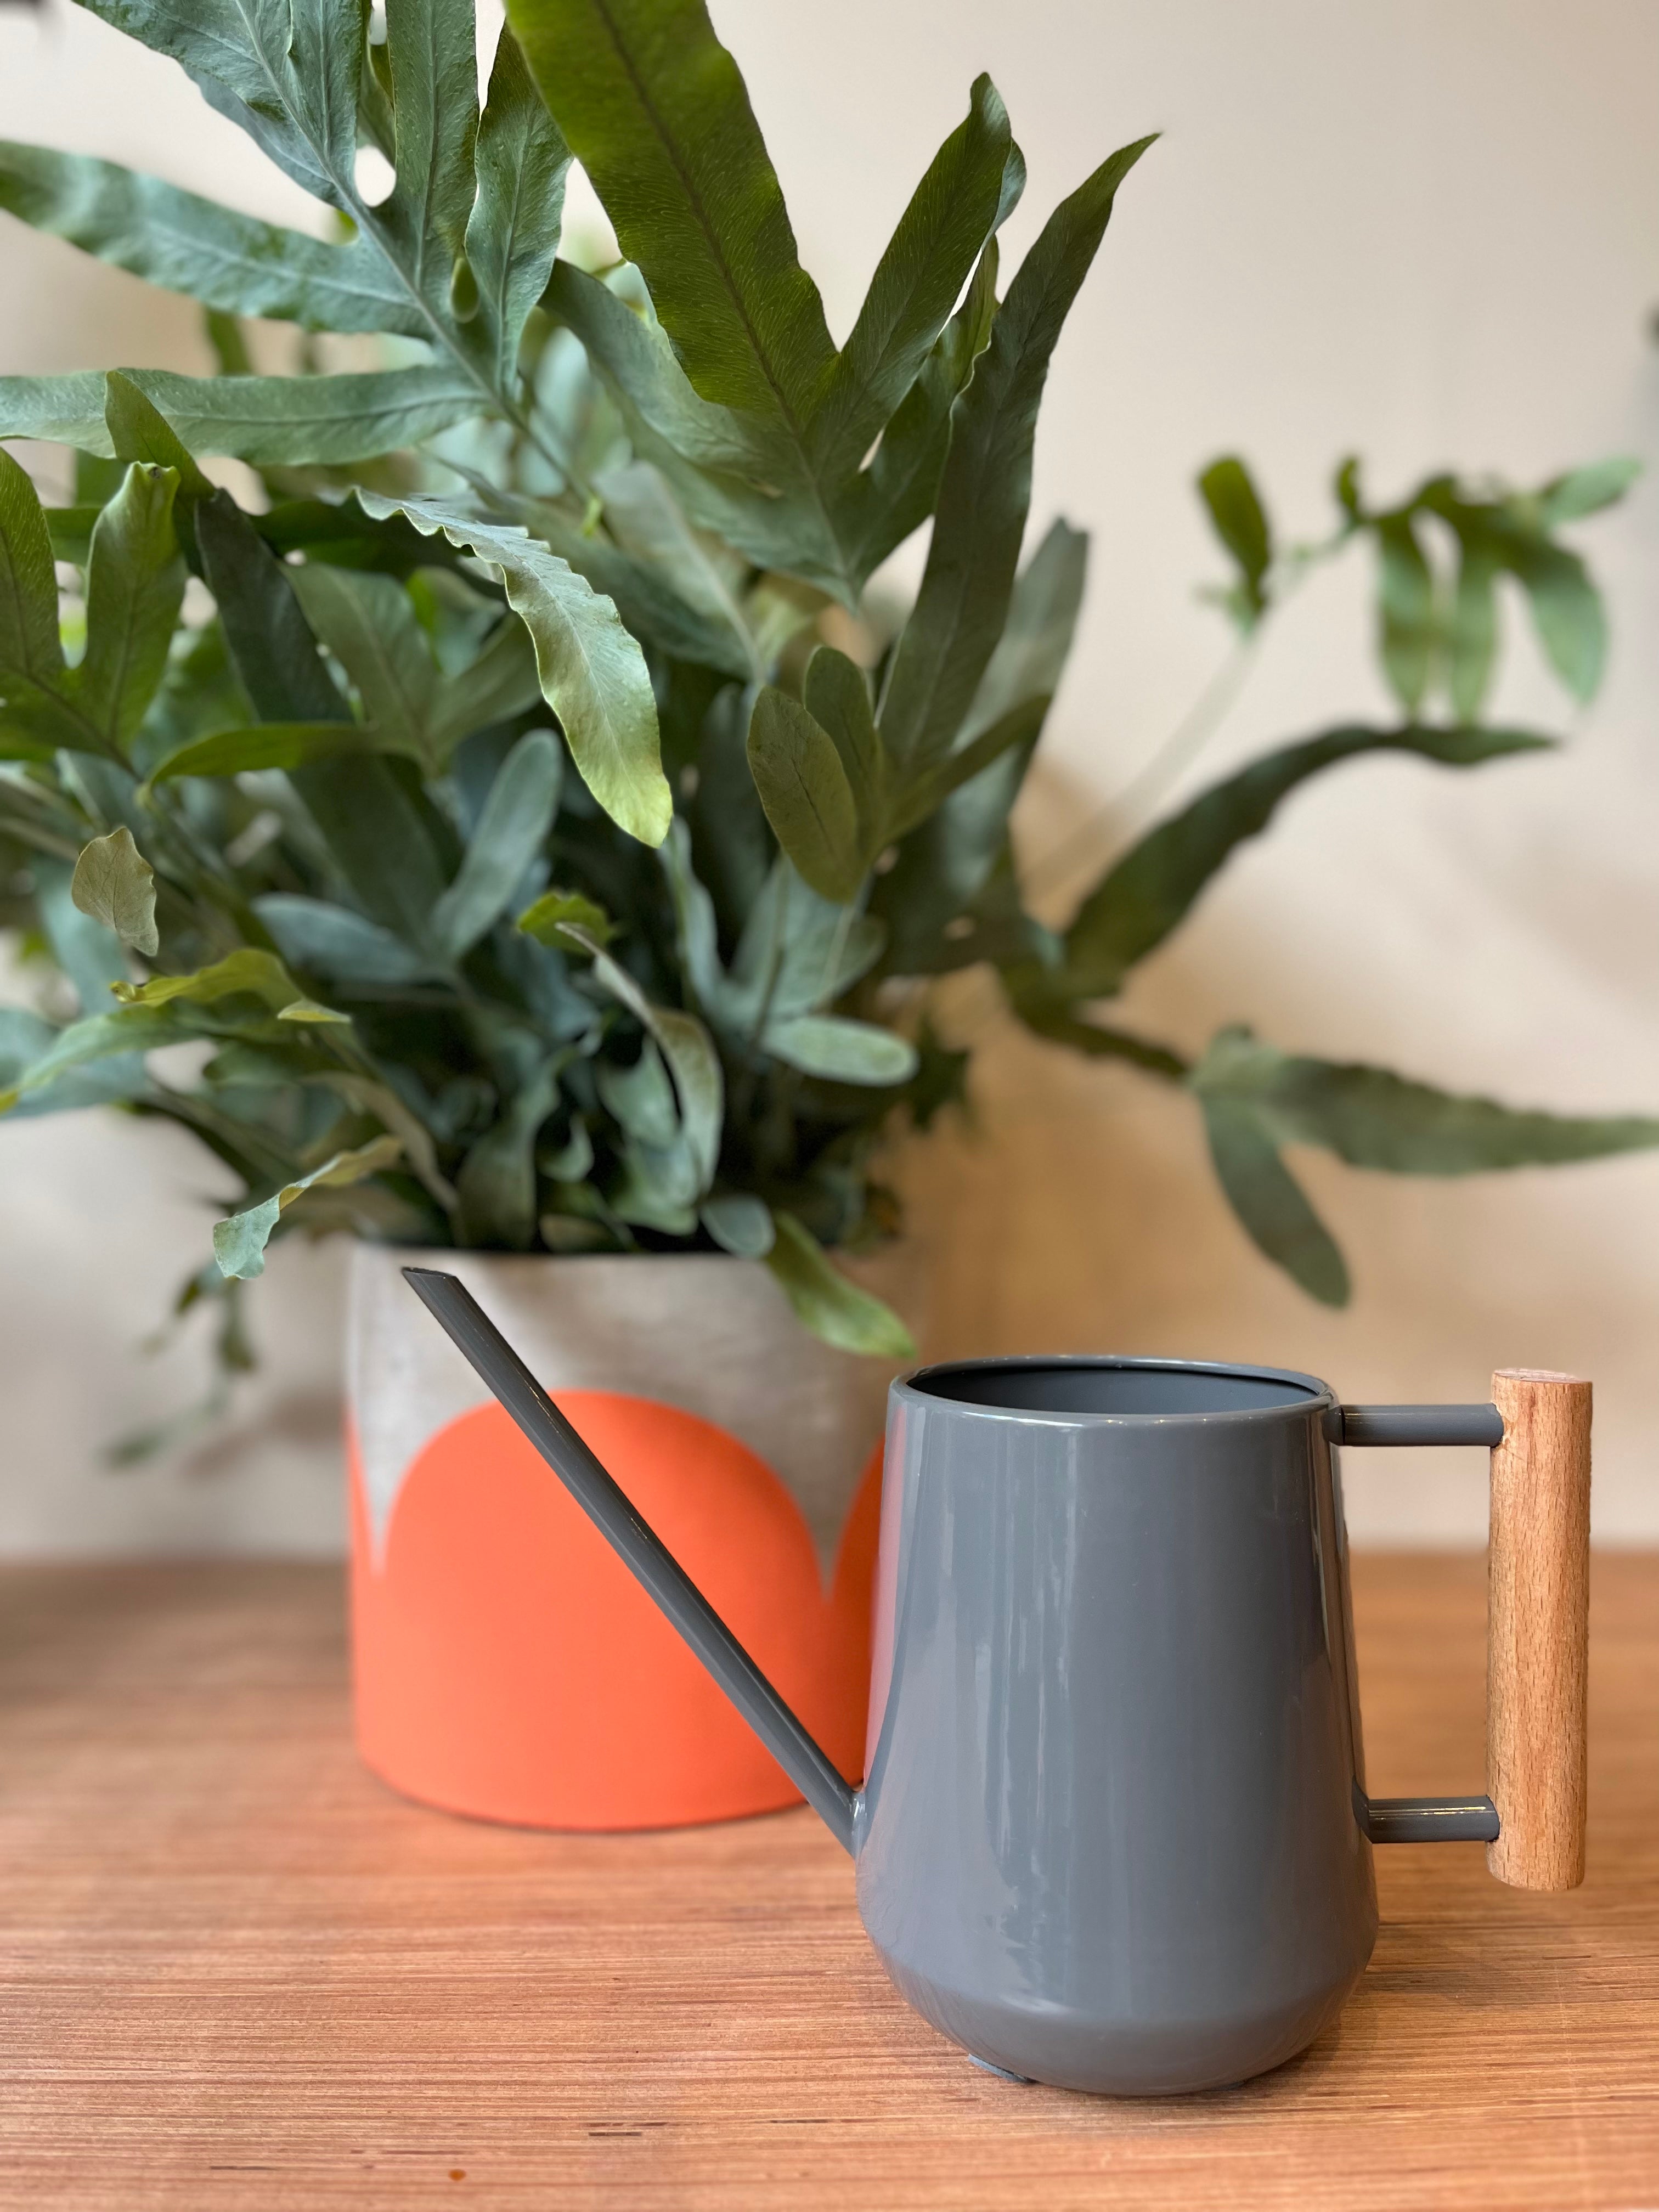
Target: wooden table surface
240, 1972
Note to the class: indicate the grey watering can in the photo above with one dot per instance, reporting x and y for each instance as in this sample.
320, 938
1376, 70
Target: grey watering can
1114, 1833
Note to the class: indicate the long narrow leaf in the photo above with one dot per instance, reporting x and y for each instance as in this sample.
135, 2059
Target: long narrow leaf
320, 70
1016, 733
747, 478
654, 109
516, 818
1035, 642
333, 941
841, 1051
368, 624
127, 1030
946, 861
1270, 1204
986, 486
793, 420
271, 420
1567, 611
828, 1304
835, 694
370, 821
1146, 893
879, 509
799, 952
1098, 1041
970, 187
1406, 634
687, 1048
648, 524
264, 744
272, 647
1587, 490
496, 1186
501, 682
1239, 521
29, 645
803, 787
162, 1011
435, 92
1472, 632
227, 260
135, 588
640, 362
249, 972
1372, 1118
513, 232
593, 673
25, 1038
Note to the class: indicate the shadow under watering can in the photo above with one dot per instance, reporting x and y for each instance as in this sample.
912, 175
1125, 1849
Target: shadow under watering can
1114, 1833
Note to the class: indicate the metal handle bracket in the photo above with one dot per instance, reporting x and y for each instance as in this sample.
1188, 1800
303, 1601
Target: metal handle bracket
1419, 1424
1426, 1819
1421, 1820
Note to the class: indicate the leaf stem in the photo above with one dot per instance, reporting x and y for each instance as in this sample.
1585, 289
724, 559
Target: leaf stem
1168, 762
844, 921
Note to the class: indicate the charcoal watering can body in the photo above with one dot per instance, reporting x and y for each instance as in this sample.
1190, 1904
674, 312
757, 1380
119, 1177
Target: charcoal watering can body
1114, 1834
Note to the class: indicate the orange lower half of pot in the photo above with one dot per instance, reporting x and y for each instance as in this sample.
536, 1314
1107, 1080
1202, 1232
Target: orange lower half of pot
507, 1665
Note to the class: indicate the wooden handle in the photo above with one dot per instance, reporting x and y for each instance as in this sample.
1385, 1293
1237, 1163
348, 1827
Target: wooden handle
1538, 1628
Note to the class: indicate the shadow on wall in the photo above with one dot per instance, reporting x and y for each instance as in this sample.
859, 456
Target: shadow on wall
306, 1418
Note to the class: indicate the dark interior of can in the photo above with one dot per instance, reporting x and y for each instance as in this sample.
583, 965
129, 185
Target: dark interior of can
1106, 1386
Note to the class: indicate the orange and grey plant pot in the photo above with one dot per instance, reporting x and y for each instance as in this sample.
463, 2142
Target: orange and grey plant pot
507, 1665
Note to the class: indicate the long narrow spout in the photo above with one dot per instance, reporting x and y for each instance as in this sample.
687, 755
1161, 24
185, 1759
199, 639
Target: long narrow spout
641, 1551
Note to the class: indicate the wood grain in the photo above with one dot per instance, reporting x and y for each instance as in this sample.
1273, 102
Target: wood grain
238, 1975
1538, 1614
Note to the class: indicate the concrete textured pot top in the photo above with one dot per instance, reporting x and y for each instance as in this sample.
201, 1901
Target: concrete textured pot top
709, 1334
1114, 1833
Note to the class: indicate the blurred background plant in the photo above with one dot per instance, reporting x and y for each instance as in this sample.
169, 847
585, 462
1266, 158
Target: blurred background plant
299, 789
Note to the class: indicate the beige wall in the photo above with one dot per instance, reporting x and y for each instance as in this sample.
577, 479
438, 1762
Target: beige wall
1428, 234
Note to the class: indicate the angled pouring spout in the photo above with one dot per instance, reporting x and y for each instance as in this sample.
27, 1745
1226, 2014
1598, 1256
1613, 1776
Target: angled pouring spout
641, 1551
1114, 1834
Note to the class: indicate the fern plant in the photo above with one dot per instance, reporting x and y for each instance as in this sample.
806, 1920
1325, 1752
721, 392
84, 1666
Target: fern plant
503, 818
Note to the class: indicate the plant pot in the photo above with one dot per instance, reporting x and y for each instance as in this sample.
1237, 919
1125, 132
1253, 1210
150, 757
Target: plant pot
505, 1664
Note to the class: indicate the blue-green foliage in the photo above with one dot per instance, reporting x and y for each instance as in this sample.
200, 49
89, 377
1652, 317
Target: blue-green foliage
498, 813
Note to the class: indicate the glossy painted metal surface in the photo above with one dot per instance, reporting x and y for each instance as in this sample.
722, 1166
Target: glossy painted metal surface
1108, 1837
1113, 1834
1420, 1425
